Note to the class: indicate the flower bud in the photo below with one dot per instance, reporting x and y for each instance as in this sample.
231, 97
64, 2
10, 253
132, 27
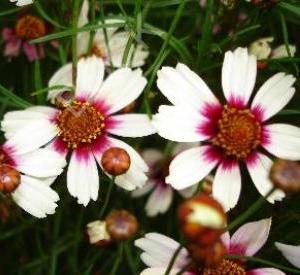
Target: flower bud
208, 255
9, 179
261, 48
285, 175
115, 161
121, 225
202, 219
97, 233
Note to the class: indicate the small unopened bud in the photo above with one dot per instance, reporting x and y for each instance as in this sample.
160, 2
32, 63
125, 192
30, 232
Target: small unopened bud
202, 219
121, 225
208, 255
64, 99
285, 175
115, 161
10, 179
97, 233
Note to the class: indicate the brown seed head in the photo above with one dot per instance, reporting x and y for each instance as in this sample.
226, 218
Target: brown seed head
285, 175
115, 161
9, 179
121, 225
30, 27
202, 219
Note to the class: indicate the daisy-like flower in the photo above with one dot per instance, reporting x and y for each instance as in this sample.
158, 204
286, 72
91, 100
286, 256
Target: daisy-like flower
32, 173
83, 127
112, 51
232, 133
161, 195
16, 39
158, 250
290, 252
262, 49
22, 2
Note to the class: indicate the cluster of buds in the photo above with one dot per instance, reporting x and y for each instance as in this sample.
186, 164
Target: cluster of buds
202, 221
285, 175
119, 225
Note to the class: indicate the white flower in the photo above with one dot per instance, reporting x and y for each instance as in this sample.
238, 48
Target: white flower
231, 133
113, 51
84, 127
22, 2
261, 48
158, 251
290, 252
161, 193
38, 170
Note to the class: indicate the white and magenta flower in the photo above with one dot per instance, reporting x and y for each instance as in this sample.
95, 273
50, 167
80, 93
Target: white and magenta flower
84, 127
22, 2
161, 195
17, 39
158, 250
111, 51
38, 169
290, 252
231, 133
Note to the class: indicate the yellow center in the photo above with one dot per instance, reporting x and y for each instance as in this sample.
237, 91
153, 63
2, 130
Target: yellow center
225, 268
79, 124
30, 27
239, 132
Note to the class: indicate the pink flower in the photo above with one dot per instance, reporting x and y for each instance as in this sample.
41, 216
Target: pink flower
84, 126
246, 241
231, 133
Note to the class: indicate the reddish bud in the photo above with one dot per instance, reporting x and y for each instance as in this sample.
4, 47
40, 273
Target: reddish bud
261, 65
208, 255
9, 179
121, 225
285, 175
202, 219
115, 161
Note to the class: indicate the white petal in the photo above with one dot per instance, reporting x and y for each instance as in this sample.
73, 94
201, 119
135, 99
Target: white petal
265, 271
259, 170
184, 87
159, 201
35, 197
159, 249
90, 73
83, 37
139, 57
251, 236
32, 136
178, 124
40, 163
139, 192
135, 176
61, 77
159, 271
82, 177
132, 125
190, 166
189, 191
290, 252
283, 141
281, 51
227, 186
238, 75
122, 87
273, 95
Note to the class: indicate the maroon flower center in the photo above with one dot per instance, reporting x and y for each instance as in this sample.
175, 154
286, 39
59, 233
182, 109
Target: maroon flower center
225, 268
79, 124
30, 27
239, 133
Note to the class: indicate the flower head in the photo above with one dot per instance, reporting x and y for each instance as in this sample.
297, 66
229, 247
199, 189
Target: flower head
231, 133
83, 127
27, 177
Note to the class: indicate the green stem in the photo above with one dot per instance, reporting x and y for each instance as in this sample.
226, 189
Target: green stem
251, 210
129, 258
266, 262
74, 40
110, 187
118, 259
173, 259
